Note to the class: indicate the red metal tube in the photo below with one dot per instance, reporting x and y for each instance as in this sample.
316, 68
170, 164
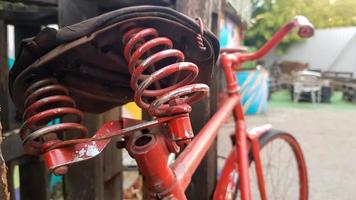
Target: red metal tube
258, 167
181, 130
305, 30
277, 37
151, 154
227, 61
186, 164
227, 183
242, 152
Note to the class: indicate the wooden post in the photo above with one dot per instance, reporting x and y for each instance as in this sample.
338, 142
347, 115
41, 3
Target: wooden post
101, 177
74, 11
4, 109
98, 178
4, 194
34, 177
34, 180
4, 72
204, 179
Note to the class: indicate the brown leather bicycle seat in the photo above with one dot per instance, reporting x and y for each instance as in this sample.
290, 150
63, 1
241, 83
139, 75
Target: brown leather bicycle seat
87, 57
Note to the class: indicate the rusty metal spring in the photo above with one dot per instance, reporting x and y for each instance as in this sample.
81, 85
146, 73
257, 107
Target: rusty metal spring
144, 50
46, 100
199, 36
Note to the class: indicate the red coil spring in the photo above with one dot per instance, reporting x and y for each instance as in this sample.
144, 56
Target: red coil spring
145, 51
199, 36
46, 101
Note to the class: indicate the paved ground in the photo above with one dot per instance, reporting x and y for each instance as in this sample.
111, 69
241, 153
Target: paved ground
328, 138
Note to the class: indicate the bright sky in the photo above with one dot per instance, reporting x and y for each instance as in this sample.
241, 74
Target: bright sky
10, 41
332, 1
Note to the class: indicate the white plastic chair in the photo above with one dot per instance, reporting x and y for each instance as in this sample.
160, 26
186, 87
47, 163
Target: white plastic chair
307, 82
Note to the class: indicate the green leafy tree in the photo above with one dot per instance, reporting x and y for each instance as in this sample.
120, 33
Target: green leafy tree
269, 15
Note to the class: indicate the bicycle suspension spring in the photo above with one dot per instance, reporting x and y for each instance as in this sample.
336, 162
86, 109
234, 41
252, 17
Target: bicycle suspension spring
152, 60
46, 104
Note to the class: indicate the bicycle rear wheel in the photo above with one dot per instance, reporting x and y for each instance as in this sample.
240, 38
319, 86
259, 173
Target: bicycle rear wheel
284, 168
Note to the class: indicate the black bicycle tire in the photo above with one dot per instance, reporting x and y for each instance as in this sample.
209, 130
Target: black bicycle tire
275, 134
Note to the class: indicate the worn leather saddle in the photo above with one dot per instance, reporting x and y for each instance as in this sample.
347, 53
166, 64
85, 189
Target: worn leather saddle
87, 57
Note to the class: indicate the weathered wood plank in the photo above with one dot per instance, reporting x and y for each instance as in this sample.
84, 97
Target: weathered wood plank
20, 13
12, 146
197, 8
4, 194
41, 2
112, 165
74, 11
99, 177
4, 76
203, 182
34, 180
34, 177
10, 181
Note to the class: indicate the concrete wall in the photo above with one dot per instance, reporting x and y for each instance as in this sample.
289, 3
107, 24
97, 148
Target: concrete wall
329, 49
347, 60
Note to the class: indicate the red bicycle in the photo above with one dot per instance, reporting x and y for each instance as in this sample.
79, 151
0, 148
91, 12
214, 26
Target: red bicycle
274, 158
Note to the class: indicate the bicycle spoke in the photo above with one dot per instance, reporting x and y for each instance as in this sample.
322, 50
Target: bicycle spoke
281, 170
289, 171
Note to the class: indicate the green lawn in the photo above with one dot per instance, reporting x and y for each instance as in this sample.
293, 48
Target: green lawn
283, 99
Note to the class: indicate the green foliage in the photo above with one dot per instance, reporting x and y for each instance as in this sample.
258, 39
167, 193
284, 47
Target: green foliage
269, 15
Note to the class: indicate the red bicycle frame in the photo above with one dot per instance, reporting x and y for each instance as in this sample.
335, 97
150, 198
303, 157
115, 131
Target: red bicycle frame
150, 144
